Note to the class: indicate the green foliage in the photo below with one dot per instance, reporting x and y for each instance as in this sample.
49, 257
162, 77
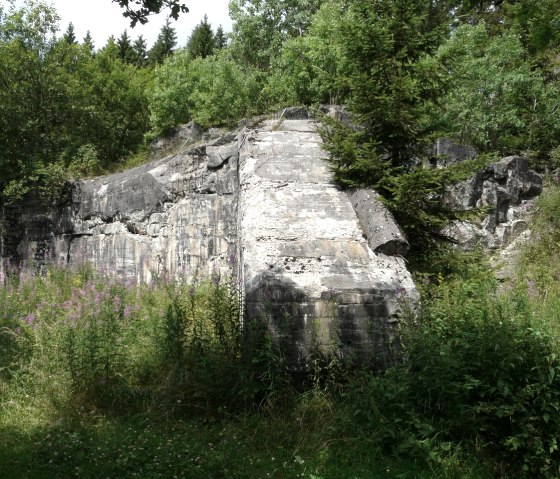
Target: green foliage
202, 41
124, 46
486, 373
259, 28
416, 199
220, 39
414, 194
142, 9
308, 67
88, 43
211, 91
70, 35
120, 346
139, 55
391, 83
498, 101
56, 97
164, 45
169, 101
537, 22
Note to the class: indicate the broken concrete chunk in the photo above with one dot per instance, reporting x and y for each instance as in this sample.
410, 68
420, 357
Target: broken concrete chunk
382, 231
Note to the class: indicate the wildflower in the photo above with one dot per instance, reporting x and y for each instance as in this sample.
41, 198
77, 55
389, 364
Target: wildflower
272, 331
30, 318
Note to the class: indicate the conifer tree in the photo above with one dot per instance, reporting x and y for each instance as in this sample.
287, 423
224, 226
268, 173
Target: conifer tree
164, 45
139, 52
201, 43
125, 48
88, 42
220, 39
70, 35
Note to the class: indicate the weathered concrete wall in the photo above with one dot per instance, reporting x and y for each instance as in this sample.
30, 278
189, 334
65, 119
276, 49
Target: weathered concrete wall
259, 204
173, 216
306, 260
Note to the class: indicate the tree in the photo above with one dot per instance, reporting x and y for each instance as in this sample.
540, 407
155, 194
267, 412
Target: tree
164, 45
56, 98
88, 42
308, 68
498, 101
139, 52
69, 35
201, 43
392, 84
213, 91
220, 39
260, 28
537, 21
144, 8
32, 96
125, 48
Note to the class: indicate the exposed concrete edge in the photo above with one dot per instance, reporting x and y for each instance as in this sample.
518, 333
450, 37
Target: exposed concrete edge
380, 228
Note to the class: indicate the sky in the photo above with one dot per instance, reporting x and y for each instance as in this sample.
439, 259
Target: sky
105, 19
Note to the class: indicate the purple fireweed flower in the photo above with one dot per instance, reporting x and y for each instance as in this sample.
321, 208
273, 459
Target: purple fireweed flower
272, 331
30, 318
127, 311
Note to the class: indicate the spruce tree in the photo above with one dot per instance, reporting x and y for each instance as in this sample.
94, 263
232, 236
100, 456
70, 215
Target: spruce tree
201, 43
164, 45
70, 35
139, 52
88, 42
125, 48
220, 39
392, 88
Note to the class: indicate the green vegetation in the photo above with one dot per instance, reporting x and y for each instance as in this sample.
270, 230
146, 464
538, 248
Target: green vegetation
106, 378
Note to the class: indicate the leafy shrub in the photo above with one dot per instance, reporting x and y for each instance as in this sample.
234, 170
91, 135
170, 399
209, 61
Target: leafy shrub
483, 372
498, 101
212, 91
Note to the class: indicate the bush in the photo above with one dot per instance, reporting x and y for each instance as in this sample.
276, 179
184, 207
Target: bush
480, 369
211, 91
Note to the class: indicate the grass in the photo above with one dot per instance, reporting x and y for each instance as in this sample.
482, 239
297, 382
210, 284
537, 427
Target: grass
288, 444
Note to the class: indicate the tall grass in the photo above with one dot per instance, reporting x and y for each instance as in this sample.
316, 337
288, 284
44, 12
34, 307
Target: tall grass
112, 344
